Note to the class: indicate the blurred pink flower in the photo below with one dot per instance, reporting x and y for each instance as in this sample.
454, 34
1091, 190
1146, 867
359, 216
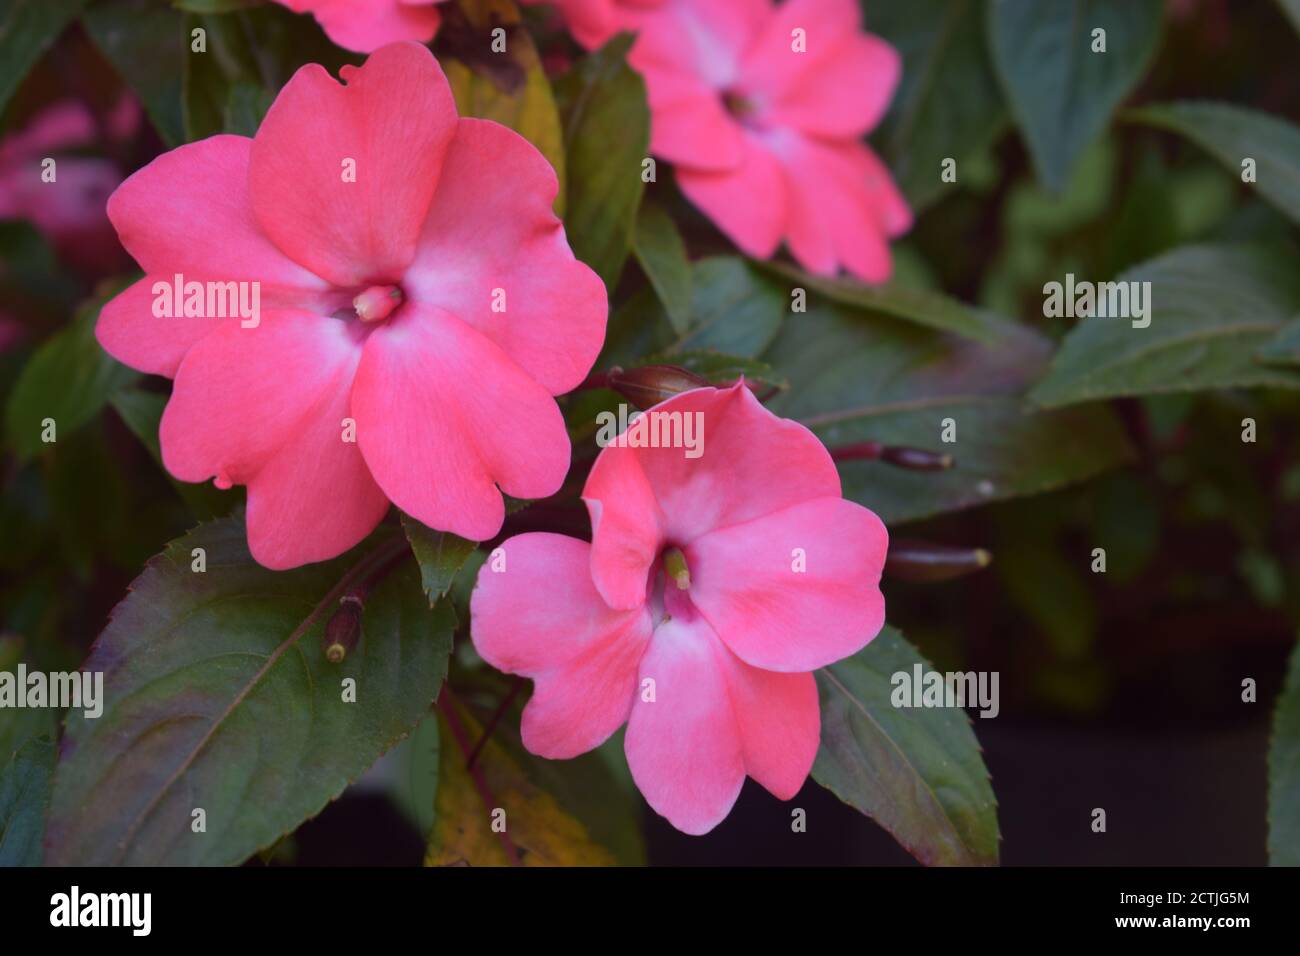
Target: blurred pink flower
69, 208
713, 586
763, 108
421, 306
592, 22
365, 25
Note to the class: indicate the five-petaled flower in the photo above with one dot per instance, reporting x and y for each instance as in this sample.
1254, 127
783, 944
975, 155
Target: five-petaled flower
416, 289
711, 590
762, 109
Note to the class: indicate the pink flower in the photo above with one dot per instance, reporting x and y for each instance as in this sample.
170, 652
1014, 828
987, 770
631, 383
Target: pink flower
69, 208
592, 22
365, 25
420, 308
713, 586
763, 110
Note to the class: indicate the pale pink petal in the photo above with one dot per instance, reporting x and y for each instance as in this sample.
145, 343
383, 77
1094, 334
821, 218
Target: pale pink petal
753, 463
188, 212
839, 86
779, 720
490, 228
748, 203
130, 332
707, 40
540, 617
683, 747
796, 589
366, 25
627, 536
443, 414
265, 407
392, 123
843, 206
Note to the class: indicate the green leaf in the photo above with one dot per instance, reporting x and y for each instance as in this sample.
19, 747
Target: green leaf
69, 379
27, 29
215, 6
440, 555
141, 412
948, 104
1284, 773
917, 772
146, 43
662, 254
540, 829
511, 88
417, 784
735, 308
1292, 10
1283, 348
606, 138
922, 306
720, 369
219, 697
246, 106
24, 798
1062, 93
857, 376
1232, 134
210, 78
1212, 307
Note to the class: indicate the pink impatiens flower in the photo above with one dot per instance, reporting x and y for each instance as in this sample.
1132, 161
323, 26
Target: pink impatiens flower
365, 25
592, 22
763, 108
713, 586
420, 307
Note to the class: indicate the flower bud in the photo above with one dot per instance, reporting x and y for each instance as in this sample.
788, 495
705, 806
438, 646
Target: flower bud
343, 630
911, 560
652, 384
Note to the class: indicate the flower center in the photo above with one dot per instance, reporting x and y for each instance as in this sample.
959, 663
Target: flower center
739, 105
676, 568
377, 302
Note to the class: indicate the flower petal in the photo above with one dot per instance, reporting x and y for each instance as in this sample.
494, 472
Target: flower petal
541, 617
189, 212
839, 86
391, 125
794, 590
748, 203
366, 25
779, 720
491, 227
752, 463
683, 747
264, 407
443, 413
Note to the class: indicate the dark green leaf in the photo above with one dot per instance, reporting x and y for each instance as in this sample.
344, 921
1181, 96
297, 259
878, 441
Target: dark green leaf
948, 103
218, 697
1212, 308
735, 309
417, 766
69, 380
1061, 92
931, 309
27, 29
859, 377
246, 105
1232, 134
720, 369
440, 554
606, 136
24, 798
141, 411
210, 77
917, 772
662, 255
1283, 348
1284, 773
214, 6
147, 44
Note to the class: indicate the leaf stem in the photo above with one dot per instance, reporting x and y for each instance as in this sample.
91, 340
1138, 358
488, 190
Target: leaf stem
448, 704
